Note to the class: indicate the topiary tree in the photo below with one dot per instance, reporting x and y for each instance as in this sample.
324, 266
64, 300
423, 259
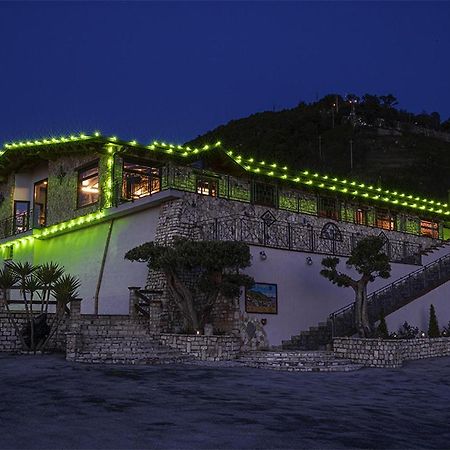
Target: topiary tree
371, 262
433, 327
216, 266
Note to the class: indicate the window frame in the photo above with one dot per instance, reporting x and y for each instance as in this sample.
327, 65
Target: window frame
257, 201
27, 226
324, 212
143, 162
434, 229
209, 179
392, 219
91, 165
36, 203
364, 214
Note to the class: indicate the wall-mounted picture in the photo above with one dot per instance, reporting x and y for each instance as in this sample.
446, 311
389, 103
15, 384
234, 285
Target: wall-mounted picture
262, 298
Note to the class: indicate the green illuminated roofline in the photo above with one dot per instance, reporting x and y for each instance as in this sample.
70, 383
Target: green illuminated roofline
327, 183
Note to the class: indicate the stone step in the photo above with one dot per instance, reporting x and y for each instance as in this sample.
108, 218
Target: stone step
313, 361
150, 360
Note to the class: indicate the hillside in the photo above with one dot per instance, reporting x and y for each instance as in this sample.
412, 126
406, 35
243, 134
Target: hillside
391, 147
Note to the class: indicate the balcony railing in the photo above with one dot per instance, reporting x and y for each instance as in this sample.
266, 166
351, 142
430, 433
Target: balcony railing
287, 236
20, 223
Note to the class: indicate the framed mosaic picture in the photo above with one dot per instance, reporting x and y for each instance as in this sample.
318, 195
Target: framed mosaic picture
262, 298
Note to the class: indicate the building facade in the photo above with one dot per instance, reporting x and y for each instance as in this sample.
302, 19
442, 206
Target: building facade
84, 201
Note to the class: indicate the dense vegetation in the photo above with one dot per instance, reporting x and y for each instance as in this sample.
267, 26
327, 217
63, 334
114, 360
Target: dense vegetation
391, 147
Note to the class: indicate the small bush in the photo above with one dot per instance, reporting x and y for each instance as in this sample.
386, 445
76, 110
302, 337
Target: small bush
406, 331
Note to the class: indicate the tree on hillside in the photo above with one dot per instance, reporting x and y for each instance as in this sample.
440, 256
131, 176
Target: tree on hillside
214, 265
370, 262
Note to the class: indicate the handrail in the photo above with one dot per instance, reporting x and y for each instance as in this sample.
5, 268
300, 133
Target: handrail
391, 285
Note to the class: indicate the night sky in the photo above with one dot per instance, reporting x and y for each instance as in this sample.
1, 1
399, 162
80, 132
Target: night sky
172, 71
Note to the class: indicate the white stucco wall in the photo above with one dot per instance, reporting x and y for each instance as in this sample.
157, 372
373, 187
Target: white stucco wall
81, 253
305, 298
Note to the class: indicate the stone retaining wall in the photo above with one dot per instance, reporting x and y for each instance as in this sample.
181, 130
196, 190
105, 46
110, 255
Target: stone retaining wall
389, 352
207, 348
9, 341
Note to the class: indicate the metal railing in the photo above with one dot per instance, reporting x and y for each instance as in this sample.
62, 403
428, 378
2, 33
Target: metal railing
392, 297
296, 237
20, 223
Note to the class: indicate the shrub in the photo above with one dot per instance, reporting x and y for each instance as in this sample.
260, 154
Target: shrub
406, 331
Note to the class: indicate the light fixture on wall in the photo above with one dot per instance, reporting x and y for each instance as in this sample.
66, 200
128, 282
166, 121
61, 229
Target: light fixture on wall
309, 261
262, 255
263, 321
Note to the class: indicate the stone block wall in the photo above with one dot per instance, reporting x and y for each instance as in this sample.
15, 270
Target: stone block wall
10, 343
389, 352
206, 348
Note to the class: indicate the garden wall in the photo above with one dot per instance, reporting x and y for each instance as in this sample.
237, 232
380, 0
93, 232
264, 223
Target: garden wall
389, 352
207, 348
9, 341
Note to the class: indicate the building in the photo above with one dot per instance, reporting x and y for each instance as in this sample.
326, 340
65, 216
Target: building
85, 200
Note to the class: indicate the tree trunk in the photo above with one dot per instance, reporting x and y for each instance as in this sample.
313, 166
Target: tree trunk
361, 313
184, 300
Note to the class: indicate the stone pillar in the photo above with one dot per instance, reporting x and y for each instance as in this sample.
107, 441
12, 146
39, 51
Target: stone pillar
155, 310
73, 336
133, 302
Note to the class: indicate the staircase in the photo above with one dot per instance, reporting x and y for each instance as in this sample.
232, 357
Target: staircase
123, 342
385, 300
297, 361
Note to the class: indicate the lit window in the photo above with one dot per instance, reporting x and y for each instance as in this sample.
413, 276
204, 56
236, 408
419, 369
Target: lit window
264, 194
429, 228
88, 191
361, 216
40, 203
385, 219
328, 207
207, 186
139, 180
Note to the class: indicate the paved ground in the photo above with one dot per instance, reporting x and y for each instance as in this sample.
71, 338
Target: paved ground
46, 403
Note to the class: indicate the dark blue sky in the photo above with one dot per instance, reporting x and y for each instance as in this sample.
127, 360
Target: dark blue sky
175, 70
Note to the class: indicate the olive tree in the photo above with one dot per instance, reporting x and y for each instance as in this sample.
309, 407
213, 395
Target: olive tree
215, 266
370, 262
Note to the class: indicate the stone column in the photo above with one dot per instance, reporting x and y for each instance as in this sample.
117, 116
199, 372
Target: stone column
155, 310
73, 336
133, 302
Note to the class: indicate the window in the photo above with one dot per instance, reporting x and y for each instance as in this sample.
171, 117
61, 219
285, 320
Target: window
429, 228
264, 194
139, 180
88, 191
328, 207
385, 219
361, 216
40, 203
21, 221
207, 186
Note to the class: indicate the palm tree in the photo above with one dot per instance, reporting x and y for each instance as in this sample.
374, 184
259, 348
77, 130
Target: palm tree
64, 290
23, 272
48, 274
